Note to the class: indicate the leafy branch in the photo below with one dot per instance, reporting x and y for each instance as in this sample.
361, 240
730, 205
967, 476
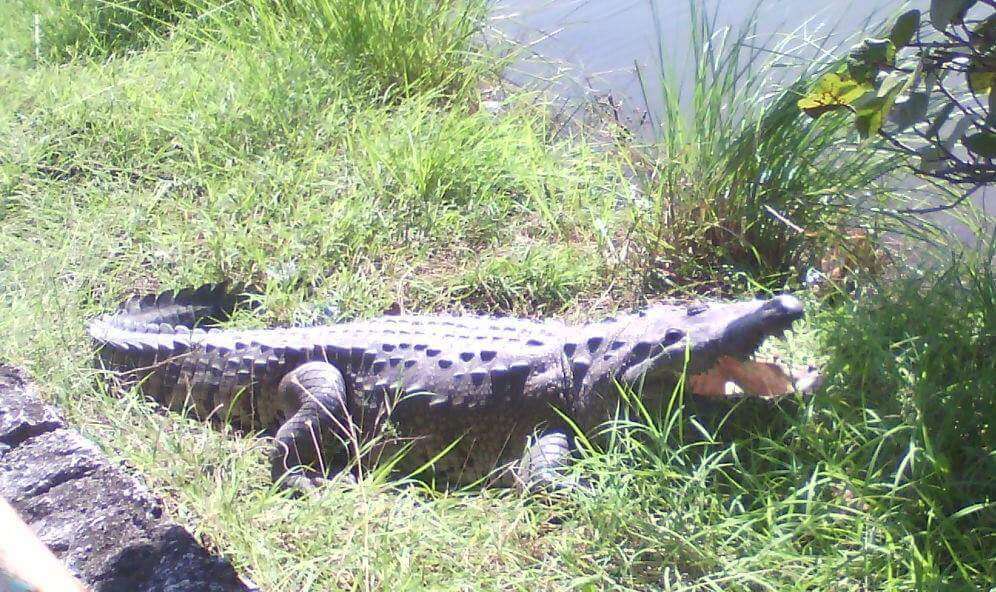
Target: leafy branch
927, 90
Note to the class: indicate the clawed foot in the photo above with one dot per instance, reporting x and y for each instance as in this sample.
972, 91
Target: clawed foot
310, 481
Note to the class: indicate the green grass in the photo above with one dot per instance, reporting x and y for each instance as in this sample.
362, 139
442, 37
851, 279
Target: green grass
350, 174
738, 177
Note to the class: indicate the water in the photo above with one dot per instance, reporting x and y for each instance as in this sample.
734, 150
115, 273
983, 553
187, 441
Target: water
587, 51
592, 49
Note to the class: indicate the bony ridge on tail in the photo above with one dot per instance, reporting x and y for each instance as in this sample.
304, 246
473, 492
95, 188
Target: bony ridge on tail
492, 392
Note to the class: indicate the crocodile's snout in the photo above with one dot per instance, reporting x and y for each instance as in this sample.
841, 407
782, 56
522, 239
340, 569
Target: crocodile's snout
745, 332
784, 307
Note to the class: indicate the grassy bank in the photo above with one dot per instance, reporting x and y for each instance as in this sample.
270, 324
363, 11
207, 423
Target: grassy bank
339, 155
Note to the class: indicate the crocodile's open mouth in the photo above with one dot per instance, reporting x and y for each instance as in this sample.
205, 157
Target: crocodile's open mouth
721, 339
734, 368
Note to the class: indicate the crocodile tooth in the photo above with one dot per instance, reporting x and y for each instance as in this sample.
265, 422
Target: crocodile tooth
594, 343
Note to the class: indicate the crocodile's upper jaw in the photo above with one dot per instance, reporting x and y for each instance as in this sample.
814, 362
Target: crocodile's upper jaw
711, 331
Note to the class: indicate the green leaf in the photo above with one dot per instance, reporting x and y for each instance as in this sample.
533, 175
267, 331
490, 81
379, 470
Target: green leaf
871, 110
991, 116
981, 143
939, 119
894, 83
980, 82
869, 117
834, 90
932, 157
867, 59
909, 110
945, 12
958, 132
982, 72
904, 28
983, 36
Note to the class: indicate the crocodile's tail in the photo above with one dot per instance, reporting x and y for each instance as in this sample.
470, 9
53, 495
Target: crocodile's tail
189, 307
145, 337
142, 317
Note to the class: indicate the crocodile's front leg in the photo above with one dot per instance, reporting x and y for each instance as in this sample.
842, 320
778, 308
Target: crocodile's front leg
545, 462
313, 398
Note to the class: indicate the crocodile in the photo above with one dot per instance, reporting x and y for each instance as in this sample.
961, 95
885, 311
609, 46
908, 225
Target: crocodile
472, 399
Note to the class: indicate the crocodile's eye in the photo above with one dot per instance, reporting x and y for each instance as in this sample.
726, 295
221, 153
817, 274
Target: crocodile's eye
672, 336
696, 309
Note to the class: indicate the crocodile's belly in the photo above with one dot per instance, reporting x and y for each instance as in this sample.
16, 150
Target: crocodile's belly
455, 446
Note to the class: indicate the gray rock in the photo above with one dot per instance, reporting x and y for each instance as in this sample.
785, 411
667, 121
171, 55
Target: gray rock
102, 522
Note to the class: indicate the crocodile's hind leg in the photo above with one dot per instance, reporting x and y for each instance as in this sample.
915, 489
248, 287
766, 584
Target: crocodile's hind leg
313, 397
545, 462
